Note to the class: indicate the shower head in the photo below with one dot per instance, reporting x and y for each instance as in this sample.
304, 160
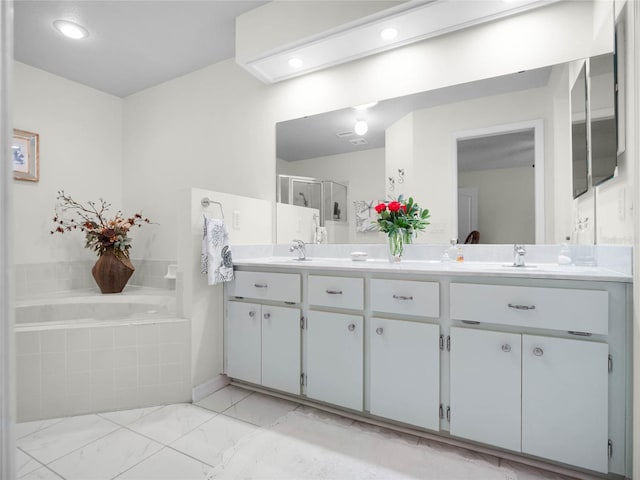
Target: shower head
304, 199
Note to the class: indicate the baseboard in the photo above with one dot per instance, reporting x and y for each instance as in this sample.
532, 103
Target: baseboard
210, 386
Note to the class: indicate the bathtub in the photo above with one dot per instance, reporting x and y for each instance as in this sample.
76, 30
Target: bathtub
84, 352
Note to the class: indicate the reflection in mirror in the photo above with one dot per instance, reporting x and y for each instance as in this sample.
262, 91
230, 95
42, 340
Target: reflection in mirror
579, 134
603, 121
496, 187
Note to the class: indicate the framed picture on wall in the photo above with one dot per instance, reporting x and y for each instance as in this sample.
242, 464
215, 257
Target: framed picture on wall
25, 149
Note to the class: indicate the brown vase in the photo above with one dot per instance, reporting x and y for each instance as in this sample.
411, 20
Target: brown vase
112, 273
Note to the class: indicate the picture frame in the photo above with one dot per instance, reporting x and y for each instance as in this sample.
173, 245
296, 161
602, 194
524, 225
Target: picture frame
25, 148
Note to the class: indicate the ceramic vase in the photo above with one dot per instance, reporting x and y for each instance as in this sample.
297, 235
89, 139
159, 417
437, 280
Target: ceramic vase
112, 272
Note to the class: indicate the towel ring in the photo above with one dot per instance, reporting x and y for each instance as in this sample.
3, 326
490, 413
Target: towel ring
205, 202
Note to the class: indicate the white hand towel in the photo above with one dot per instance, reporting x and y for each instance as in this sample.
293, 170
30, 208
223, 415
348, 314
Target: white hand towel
216, 259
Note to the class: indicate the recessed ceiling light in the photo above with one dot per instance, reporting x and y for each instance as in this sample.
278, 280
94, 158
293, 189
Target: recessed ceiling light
70, 29
389, 33
295, 62
365, 106
361, 127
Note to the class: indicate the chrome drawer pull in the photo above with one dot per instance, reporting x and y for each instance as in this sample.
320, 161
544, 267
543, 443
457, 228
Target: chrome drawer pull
252, 314
522, 307
402, 297
538, 352
379, 330
506, 348
267, 316
260, 285
334, 292
351, 327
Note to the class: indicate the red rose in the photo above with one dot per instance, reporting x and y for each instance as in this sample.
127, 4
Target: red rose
394, 206
403, 207
381, 207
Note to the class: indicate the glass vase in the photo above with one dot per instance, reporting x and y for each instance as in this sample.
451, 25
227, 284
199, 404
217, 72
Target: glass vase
397, 240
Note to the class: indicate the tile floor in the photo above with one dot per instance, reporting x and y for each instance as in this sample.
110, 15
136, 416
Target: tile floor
185, 441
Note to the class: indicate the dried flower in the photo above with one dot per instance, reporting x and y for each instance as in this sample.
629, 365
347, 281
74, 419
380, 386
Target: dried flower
102, 234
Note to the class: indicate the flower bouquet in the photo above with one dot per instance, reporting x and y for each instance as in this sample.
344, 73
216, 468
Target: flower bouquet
401, 220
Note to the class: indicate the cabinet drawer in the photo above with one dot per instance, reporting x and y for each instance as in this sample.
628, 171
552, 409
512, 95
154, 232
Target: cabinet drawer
552, 308
405, 297
339, 292
283, 287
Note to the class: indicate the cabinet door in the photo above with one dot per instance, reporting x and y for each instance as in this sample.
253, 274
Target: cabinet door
281, 348
564, 400
334, 368
242, 333
485, 386
405, 371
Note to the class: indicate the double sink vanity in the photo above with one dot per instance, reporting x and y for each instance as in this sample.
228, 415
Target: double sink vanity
528, 361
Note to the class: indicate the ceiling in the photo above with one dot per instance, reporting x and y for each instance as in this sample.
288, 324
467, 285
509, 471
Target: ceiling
132, 45
332, 133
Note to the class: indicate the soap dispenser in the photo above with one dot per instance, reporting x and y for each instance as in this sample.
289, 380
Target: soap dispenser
564, 257
452, 252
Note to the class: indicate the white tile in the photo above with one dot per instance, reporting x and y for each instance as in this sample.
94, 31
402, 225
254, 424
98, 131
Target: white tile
222, 399
126, 377
41, 474
171, 374
526, 472
125, 336
78, 339
260, 409
53, 341
126, 356
171, 422
171, 353
460, 451
148, 355
79, 361
147, 334
53, 363
101, 337
78, 383
148, 375
167, 464
173, 332
22, 429
28, 367
103, 359
65, 436
106, 457
27, 343
211, 440
125, 417
25, 464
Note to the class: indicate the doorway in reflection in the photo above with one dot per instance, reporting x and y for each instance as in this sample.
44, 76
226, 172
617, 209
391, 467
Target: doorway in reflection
496, 188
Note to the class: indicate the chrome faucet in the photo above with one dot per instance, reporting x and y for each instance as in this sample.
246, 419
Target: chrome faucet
518, 255
299, 246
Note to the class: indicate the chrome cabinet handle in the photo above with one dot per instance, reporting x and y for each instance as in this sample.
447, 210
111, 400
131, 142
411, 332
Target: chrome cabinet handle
252, 313
351, 327
260, 285
334, 292
506, 347
521, 307
538, 352
402, 297
379, 330
267, 316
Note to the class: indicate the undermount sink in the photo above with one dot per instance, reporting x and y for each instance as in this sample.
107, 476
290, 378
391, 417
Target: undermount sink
510, 265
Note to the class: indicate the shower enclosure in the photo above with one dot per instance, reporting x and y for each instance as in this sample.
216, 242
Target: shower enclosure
328, 196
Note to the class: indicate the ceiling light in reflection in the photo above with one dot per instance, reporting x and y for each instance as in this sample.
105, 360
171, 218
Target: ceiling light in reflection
361, 127
295, 62
70, 29
389, 33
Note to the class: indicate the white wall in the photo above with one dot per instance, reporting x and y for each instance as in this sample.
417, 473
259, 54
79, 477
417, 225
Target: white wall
362, 171
80, 152
506, 211
198, 301
295, 222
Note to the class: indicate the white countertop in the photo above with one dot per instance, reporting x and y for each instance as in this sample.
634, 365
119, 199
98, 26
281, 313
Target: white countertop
467, 268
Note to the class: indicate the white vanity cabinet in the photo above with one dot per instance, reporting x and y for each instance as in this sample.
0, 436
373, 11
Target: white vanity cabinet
335, 358
262, 345
540, 395
485, 386
405, 371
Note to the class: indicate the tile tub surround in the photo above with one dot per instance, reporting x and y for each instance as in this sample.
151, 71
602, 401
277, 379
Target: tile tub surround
185, 442
82, 368
42, 278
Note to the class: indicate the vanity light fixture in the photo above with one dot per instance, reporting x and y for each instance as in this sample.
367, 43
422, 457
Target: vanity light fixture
389, 33
295, 62
361, 127
71, 29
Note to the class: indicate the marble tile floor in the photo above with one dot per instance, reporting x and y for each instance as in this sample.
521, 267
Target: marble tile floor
236, 433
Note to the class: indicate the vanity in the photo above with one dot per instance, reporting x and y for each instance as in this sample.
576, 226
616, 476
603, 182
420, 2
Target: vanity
528, 361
